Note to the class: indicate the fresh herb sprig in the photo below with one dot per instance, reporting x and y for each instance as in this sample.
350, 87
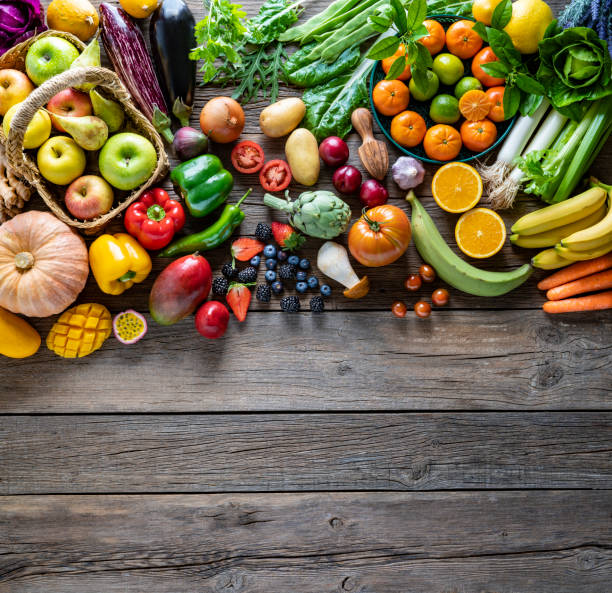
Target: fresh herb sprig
410, 28
522, 90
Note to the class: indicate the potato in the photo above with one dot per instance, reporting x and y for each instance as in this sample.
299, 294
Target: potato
303, 156
280, 118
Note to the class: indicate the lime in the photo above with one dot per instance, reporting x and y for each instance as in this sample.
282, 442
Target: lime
432, 87
467, 83
448, 67
444, 109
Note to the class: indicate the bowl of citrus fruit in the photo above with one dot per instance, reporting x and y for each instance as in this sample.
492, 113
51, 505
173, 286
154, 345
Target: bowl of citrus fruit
459, 116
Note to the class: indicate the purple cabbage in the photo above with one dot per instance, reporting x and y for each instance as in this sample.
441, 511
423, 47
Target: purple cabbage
19, 20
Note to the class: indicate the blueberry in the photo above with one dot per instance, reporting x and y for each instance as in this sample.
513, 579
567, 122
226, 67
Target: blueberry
304, 264
325, 289
277, 287
312, 282
281, 255
301, 286
271, 264
269, 251
294, 260
270, 276
300, 276
255, 261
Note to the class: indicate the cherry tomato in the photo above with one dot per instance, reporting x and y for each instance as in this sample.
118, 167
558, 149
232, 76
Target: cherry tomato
247, 157
422, 309
275, 175
440, 297
413, 282
399, 309
427, 273
211, 319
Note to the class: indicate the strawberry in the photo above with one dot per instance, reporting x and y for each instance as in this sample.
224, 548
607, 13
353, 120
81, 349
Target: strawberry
238, 298
286, 236
245, 248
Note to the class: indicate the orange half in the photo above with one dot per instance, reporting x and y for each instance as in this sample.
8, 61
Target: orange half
456, 187
480, 233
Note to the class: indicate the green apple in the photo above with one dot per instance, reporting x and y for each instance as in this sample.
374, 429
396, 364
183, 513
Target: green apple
61, 160
38, 130
49, 56
127, 160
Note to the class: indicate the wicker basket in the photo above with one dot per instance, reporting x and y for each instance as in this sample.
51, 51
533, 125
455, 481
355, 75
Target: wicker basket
24, 163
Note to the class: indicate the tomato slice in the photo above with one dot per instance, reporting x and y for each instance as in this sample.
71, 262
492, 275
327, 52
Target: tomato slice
247, 157
275, 175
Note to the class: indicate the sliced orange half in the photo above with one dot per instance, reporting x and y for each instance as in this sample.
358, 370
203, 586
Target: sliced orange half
480, 233
456, 187
474, 105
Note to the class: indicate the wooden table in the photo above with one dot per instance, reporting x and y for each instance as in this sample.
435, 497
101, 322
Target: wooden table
349, 452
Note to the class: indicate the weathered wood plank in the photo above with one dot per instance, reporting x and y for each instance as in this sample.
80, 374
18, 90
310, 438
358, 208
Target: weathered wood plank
514, 542
335, 361
241, 453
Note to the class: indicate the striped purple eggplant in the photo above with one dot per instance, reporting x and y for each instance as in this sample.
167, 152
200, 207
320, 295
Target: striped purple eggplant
125, 46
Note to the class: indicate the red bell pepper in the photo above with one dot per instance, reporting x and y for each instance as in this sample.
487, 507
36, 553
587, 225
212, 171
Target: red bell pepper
154, 219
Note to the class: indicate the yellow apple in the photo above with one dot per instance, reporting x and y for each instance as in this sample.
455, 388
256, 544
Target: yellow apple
39, 129
61, 160
15, 86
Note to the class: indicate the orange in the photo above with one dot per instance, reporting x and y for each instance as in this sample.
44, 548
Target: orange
496, 98
478, 135
484, 56
474, 105
480, 233
442, 142
462, 40
456, 187
408, 128
391, 96
434, 42
388, 62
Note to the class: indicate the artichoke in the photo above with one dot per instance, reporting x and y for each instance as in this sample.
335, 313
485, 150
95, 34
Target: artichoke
319, 213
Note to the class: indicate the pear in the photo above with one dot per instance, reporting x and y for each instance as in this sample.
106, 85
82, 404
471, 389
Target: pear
89, 58
89, 132
106, 109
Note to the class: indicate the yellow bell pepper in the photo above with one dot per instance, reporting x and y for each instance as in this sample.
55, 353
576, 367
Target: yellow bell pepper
118, 262
18, 339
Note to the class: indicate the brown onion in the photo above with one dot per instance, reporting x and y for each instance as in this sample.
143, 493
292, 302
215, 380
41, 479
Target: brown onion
222, 119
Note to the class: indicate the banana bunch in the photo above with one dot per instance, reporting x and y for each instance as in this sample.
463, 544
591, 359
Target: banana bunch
577, 229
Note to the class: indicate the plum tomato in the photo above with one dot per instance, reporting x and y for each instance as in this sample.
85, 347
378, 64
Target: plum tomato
373, 193
347, 179
334, 151
427, 273
275, 175
247, 157
422, 309
211, 319
399, 309
413, 282
440, 297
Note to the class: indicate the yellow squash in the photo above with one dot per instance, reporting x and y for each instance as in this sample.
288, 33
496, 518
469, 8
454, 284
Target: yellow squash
18, 339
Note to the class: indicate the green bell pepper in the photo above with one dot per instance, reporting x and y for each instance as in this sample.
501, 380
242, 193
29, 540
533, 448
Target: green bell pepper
203, 183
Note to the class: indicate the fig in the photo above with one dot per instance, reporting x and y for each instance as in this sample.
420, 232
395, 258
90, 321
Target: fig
189, 143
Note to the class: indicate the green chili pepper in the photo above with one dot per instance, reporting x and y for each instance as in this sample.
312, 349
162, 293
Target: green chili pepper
203, 183
210, 237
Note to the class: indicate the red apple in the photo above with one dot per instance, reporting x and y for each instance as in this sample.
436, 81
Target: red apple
70, 103
15, 86
89, 197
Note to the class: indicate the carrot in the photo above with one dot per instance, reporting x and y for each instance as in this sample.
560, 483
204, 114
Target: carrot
601, 281
576, 271
592, 302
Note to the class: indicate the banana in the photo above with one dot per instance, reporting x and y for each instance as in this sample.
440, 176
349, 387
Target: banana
595, 236
554, 236
560, 214
549, 260
566, 253
450, 267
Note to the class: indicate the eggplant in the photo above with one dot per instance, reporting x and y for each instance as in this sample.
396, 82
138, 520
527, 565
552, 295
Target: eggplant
125, 46
172, 36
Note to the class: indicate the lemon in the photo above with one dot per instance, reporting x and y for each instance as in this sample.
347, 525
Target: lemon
528, 24
482, 10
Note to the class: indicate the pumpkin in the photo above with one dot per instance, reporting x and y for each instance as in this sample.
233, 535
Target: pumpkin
43, 264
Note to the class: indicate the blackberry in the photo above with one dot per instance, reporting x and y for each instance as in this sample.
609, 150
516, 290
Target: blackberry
263, 293
248, 275
317, 304
229, 271
286, 271
290, 304
263, 232
220, 285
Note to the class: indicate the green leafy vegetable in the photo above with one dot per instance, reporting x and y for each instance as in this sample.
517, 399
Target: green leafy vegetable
273, 19
309, 74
